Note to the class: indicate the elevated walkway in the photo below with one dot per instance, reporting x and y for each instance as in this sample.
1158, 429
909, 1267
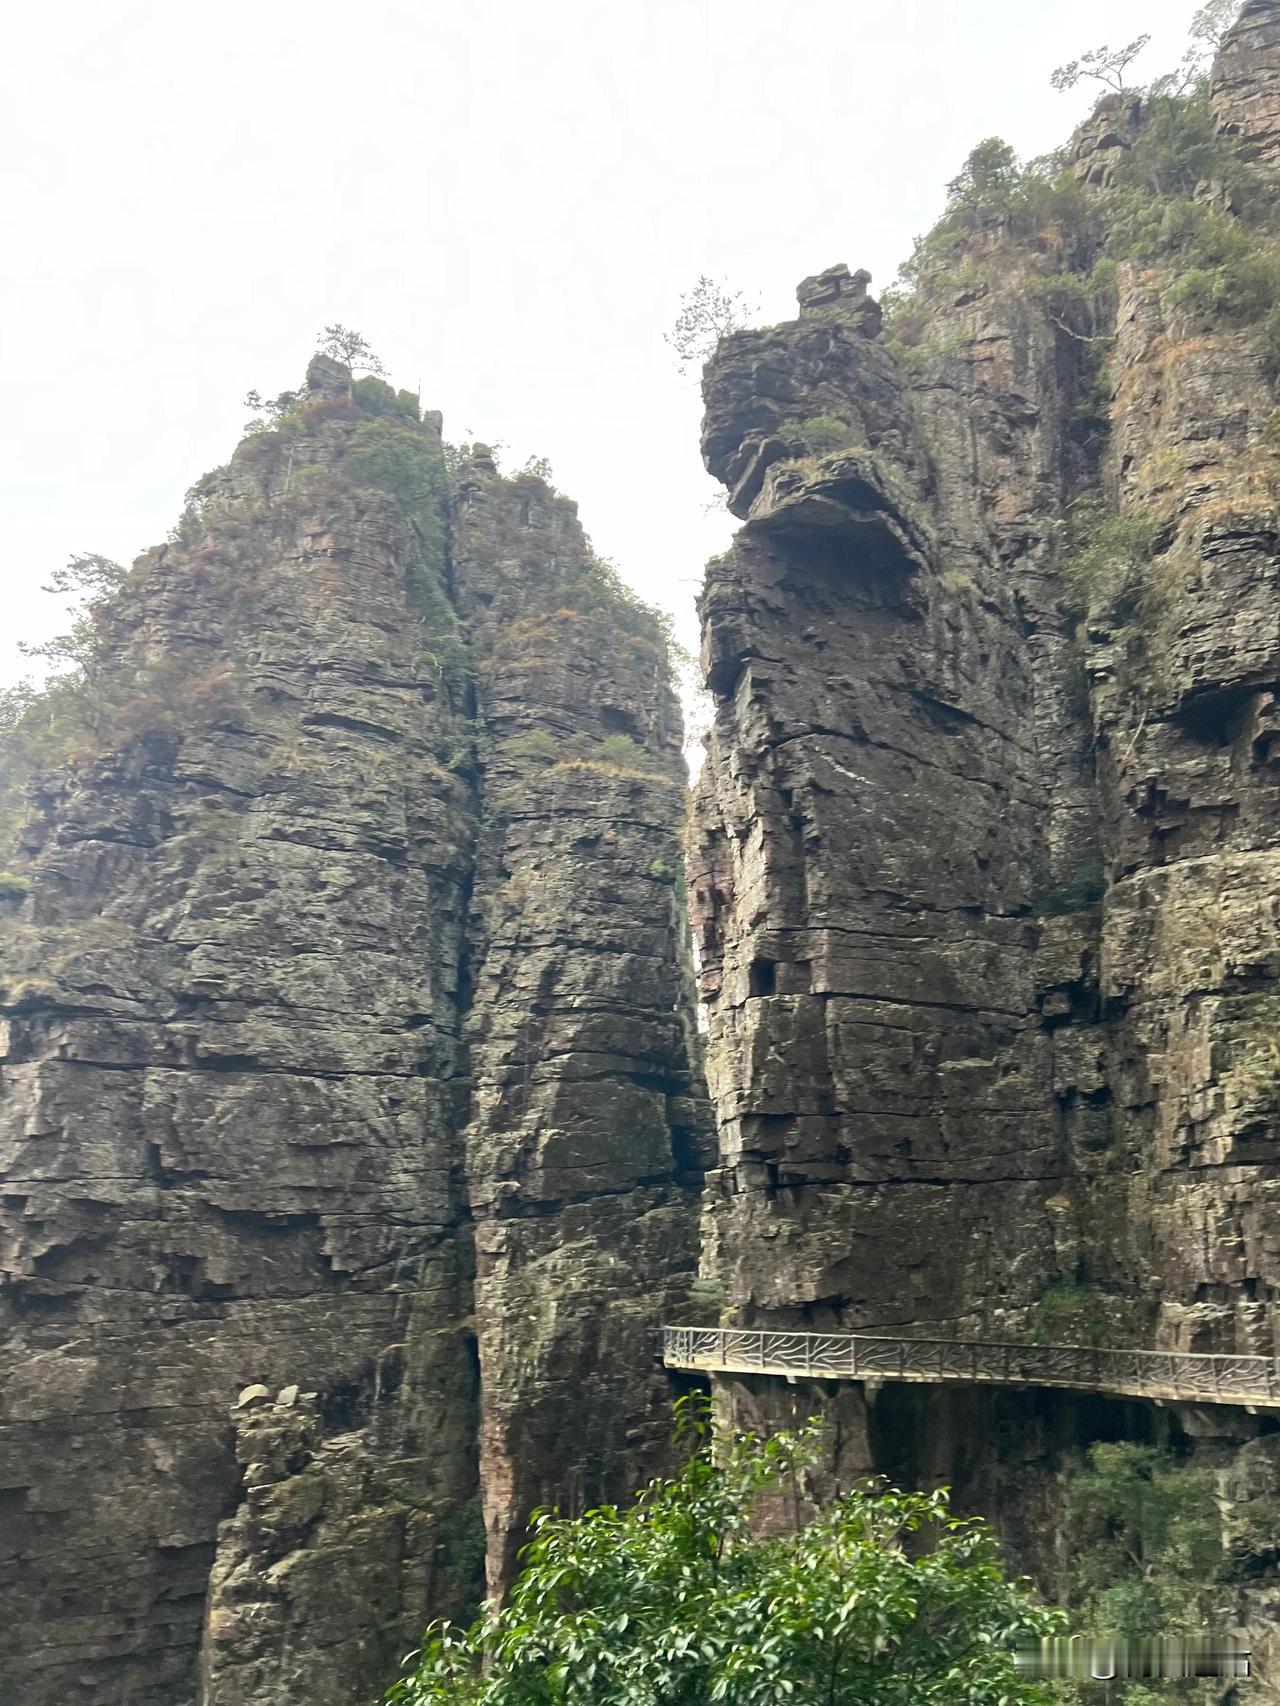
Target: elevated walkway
1252, 1381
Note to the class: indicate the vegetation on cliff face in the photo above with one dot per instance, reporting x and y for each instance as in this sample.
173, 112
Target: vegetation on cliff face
712, 1587
1142, 1543
37, 724
1181, 195
304, 447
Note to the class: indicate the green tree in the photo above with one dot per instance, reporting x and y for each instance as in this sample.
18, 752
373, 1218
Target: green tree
988, 182
90, 580
1104, 64
351, 350
1143, 1542
882, 1599
708, 312
1208, 27
269, 411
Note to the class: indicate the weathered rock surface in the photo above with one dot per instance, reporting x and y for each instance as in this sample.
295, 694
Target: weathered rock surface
988, 949
347, 1060
985, 893
1246, 80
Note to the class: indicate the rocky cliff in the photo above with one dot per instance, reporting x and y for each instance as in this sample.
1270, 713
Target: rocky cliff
351, 1133
350, 1128
988, 844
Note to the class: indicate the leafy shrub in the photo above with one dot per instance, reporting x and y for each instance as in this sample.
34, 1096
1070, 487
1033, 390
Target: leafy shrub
399, 460
537, 746
376, 397
1105, 552
1244, 289
706, 1300
1070, 1314
1143, 1540
596, 584
997, 194
1178, 147
920, 356
882, 1599
626, 753
12, 887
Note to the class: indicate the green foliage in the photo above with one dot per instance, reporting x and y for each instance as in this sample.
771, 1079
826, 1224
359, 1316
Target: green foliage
626, 753
819, 434
1104, 64
1070, 1313
1245, 287
13, 887
882, 1599
1080, 303
1254, 1071
40, 726
269, 412
988, 183
1223, 246
1105, 553
709, 311
350, 350
1271, 341
537, 746
925, 355
376, 397
35, 728
1223, 249
995, 189
444, 639
1000, 196
91, 580
1152, 230
706, 1300
1208, 27
595, 585
400, 460
1143, 1541
1179, 147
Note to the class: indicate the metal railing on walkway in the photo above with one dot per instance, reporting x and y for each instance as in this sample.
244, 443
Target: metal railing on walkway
1186, 1376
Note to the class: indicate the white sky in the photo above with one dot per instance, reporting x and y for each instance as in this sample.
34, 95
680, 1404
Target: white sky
506, 197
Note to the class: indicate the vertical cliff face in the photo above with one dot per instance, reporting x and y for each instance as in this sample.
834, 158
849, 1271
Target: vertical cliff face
875, 814
344, 1022
987, 852
987, 857
587, 1128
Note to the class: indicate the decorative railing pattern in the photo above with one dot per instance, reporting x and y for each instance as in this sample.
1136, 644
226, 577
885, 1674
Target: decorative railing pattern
845, 1356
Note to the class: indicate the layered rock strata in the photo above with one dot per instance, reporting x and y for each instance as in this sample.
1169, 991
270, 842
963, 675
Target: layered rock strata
349, 1127
988, 836
985, 886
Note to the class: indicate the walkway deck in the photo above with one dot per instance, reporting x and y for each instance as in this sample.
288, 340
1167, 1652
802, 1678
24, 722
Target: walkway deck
1245, 1380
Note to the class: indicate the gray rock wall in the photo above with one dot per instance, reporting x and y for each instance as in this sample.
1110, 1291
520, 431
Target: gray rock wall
985, 871
347, 1059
